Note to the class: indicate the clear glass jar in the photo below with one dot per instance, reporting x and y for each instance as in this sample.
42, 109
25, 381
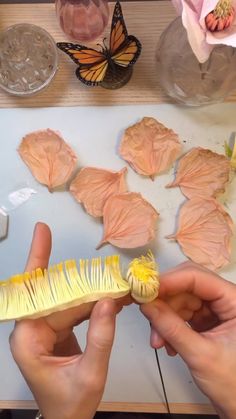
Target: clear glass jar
184, 78
28, 59
82, 20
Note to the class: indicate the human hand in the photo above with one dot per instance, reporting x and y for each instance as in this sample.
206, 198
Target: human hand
208, 302
66, 383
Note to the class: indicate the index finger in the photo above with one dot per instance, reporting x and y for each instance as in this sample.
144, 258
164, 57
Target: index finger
192, 278
40, 248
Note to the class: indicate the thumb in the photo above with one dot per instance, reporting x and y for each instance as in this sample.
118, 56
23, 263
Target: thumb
100, 337
172, 328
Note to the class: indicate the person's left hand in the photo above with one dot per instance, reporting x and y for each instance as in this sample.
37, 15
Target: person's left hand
66, 383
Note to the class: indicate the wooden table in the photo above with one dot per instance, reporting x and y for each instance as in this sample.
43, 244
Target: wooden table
146, 20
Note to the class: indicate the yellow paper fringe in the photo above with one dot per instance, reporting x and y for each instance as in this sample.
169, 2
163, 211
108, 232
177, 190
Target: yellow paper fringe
61, 286
68, 284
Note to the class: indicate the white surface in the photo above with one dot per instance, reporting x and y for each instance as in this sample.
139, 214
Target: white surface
94, 134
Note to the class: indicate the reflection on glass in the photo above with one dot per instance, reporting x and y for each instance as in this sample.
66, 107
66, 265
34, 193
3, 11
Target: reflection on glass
82, 20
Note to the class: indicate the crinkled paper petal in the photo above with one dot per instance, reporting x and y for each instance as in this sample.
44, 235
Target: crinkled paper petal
49, 158
149, 147
196, 34
129, 221
207, 7
201, 172
93, 186
204, 232
178, 4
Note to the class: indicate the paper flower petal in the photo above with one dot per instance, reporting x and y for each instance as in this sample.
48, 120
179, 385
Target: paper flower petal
201, 172
129, 221
93, 186
196, 34
49, 158
204, 232
178, 4
149, 147
200, 38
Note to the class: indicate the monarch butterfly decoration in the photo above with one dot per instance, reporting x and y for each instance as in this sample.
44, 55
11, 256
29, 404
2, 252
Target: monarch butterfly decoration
93, 65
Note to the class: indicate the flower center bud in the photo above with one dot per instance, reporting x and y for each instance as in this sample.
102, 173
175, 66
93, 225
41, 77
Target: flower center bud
221, 17
223, 9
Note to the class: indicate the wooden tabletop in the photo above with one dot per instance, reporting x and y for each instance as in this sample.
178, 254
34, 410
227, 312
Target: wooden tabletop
144, 19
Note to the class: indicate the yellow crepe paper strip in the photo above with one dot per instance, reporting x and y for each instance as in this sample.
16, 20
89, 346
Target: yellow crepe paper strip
68, 284
143, 278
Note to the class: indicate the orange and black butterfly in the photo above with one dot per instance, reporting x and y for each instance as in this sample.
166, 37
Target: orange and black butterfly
124, 51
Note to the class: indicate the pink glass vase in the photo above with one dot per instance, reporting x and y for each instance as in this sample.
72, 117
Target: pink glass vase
82, 20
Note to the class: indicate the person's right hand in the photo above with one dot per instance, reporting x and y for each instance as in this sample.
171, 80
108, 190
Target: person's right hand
208, 342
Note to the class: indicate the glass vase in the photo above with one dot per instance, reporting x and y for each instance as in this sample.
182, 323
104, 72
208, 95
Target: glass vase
82, 20
185, 79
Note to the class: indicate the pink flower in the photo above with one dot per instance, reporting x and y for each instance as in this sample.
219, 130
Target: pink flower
208, 23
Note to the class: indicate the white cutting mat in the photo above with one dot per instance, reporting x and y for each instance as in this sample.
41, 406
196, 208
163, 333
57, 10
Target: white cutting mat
94, 134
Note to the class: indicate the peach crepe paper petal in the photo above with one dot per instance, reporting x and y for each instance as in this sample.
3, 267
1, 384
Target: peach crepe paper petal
201, 172
48, 157
204, 232
149, 147
129, 221
93, 186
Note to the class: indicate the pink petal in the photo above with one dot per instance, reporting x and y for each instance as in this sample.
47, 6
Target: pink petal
149, 147
129, 221
201, 172
93, 186
178, 4
196, 35
226, 37
195, 6
204, 232
207, 7
49, 158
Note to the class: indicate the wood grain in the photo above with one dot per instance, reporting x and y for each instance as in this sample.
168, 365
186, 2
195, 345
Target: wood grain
145, 19
125, 407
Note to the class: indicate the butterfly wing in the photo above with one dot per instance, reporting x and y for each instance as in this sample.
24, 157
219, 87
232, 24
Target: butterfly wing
92, 64
124, 49
118, 29
128, 54
80, 54
92, 75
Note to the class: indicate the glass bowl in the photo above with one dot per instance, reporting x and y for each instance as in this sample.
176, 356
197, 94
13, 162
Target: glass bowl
28, 59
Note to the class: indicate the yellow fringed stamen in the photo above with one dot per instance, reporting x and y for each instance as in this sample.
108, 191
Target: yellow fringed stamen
143, 277
143, 268
223, 8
